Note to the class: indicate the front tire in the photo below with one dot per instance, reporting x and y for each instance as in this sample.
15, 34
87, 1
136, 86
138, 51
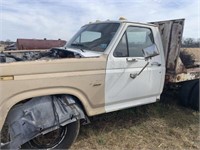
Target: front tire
61, 138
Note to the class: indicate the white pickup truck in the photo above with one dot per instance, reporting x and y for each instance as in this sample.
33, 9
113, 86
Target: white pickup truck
107, 66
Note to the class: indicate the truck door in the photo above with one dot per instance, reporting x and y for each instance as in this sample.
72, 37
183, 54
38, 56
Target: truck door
126, 60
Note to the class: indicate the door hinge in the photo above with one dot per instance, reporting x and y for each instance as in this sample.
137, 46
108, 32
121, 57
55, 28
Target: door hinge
5, 78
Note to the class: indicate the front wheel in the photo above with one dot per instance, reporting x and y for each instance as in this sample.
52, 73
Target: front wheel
61, 138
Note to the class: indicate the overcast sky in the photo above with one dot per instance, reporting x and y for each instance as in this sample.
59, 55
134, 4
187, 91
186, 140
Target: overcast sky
54, 19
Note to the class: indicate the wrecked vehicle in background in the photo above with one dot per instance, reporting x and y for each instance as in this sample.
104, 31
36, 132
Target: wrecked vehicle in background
107, 66
11, 47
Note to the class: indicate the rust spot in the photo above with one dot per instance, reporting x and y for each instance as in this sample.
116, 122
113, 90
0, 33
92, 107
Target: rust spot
178, 78
167, 78
180, 68
195, 74
171, 66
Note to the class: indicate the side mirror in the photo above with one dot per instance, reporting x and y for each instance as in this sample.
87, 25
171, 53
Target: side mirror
150, 51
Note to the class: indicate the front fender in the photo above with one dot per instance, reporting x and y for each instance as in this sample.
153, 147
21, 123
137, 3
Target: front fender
40, 115
11, 101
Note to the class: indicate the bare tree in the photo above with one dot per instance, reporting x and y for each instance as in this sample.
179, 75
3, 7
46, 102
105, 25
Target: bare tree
190, 42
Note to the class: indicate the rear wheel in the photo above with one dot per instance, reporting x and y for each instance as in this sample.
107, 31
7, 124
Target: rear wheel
194, 100
61, 138
189, 94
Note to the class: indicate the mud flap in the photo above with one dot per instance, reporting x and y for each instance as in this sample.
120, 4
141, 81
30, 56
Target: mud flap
39, 116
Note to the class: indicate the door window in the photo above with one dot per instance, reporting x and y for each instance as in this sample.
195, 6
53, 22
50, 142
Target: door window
133, 41
121, 49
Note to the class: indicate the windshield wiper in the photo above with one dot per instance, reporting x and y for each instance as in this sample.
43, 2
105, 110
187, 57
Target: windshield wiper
79, 45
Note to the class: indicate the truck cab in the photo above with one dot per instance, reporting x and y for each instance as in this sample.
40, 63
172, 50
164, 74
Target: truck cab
130, 78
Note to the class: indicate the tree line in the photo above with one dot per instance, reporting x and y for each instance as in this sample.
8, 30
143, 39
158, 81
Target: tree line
190, 42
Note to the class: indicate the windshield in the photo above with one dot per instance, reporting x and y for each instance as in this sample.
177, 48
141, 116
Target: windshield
94, 37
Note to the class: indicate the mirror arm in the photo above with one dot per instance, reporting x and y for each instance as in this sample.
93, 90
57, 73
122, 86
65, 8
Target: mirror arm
143, 68
133, 76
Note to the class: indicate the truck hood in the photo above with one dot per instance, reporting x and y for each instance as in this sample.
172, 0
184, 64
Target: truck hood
82, 53
54, 53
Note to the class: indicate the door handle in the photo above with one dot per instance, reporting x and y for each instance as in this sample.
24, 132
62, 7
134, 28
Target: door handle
131, 60
155, 64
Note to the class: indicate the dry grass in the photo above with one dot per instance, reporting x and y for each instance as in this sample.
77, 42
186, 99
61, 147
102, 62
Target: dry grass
163, 125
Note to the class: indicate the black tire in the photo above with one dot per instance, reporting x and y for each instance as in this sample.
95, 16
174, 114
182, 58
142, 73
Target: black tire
67, 134
185, 92
194, 99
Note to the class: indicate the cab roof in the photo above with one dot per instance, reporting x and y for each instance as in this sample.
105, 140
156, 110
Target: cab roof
121, 21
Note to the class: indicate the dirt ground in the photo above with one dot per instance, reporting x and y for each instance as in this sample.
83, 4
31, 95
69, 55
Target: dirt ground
163, 125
